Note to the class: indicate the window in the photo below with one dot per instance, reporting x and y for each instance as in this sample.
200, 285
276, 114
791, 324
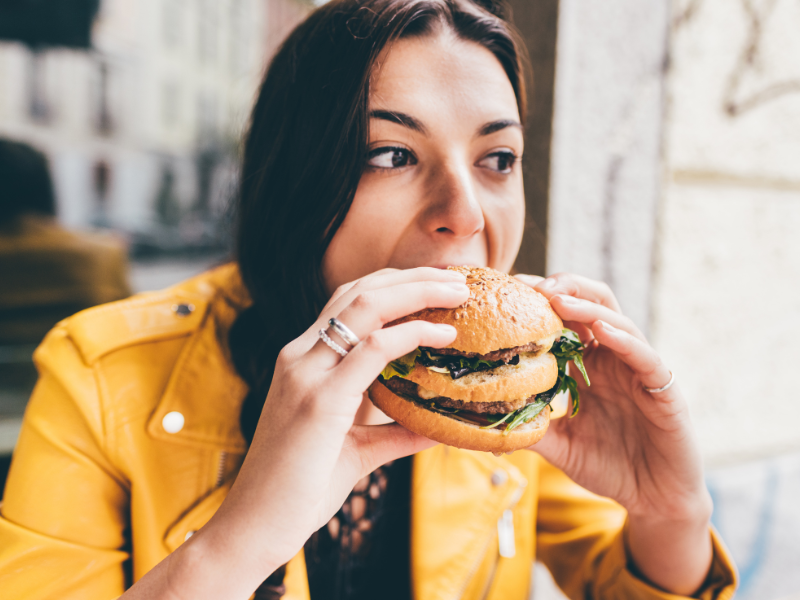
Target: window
207, 122
208, 32
172, 22
170, 98
39, 107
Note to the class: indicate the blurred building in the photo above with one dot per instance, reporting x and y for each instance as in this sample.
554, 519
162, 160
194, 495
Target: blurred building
143, 128
139, 106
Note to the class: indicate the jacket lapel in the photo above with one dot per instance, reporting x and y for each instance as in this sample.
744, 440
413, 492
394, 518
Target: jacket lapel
203, 376
458, 496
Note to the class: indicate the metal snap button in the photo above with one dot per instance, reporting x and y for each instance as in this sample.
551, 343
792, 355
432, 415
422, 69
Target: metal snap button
173, 422
499, 477
183, 310
188, 535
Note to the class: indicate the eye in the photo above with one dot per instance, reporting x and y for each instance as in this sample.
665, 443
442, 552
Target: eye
390, 157
501, 161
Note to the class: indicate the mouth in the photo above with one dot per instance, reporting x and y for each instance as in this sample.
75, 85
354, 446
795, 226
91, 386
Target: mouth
457, 263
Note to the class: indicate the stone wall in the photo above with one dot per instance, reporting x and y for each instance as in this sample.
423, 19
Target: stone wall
726, 310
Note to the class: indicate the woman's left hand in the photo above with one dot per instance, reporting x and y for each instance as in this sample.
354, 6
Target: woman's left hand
628, 444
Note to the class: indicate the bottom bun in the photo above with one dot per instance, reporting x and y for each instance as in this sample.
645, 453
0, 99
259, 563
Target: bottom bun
453, 432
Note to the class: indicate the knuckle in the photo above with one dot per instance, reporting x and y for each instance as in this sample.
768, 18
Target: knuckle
286, 355
374, 342
627, 325
606, 292
292, 377
365, 301
657, 363
566, 282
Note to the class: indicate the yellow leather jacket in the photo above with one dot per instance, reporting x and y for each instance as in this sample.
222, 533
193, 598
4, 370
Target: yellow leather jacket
131, 441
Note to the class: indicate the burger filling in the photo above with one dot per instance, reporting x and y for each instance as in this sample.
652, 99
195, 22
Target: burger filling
505, 414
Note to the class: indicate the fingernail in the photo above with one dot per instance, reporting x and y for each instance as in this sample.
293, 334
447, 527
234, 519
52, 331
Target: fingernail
459, 287
570, 300
455, 275
607, 327
547, 284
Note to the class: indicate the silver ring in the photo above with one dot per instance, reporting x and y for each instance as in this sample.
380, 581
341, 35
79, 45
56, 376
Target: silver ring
343, 331
331, 344
661, 389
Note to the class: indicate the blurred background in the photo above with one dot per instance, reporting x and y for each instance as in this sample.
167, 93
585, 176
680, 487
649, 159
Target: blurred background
663, 156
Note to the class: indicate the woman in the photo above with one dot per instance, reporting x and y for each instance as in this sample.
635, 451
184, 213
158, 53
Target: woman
386, 140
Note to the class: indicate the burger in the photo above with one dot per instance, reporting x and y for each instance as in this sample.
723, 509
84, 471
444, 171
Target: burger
490, 389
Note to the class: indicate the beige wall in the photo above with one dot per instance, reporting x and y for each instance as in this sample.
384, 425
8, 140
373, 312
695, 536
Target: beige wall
726, 310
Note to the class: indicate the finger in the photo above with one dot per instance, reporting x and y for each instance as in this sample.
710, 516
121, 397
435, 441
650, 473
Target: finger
345, 287
637, 354
584, 331
554, 446
570, 308
371, 310
363, 364
580, 287
376, 445
529, 280
385, 278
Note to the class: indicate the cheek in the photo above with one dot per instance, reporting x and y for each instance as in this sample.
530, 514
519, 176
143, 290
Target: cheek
371, 231
505, 224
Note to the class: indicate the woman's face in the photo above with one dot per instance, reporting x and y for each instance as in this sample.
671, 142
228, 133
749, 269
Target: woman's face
443, 180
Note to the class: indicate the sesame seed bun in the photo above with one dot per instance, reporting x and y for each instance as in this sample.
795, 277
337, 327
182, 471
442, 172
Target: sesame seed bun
501, 312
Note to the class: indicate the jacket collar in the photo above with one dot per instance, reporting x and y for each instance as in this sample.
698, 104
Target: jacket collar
204, 373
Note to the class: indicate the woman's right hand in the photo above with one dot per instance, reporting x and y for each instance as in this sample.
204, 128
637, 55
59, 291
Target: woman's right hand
307, 454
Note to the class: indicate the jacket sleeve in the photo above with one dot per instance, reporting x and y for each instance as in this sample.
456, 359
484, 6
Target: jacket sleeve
580, 538
65, 508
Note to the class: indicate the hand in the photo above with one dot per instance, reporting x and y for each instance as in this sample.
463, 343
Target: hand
628, 444
306, 454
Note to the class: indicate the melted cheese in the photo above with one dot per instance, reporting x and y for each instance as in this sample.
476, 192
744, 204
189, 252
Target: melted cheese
427, 394
546, 343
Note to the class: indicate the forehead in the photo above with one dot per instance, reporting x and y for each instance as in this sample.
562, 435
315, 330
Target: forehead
442, 72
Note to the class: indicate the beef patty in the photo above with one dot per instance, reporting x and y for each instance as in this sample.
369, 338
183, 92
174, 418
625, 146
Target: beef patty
403, 386
505, 354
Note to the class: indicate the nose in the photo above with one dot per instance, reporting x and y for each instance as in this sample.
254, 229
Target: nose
454, 211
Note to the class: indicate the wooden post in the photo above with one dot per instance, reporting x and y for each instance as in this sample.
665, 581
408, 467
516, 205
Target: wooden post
537, 21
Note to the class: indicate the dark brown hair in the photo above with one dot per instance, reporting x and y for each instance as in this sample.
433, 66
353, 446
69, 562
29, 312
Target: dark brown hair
25, 183
305, 152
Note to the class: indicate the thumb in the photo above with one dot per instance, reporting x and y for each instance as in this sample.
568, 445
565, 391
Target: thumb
554, 446
375, 445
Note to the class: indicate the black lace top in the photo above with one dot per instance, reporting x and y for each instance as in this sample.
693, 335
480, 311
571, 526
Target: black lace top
364, 551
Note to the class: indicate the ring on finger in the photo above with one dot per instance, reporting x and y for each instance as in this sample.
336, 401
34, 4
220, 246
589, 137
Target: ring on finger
343, 331
323, 335
663, 388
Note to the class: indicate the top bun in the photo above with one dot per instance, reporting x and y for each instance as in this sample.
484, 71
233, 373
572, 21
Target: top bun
501, 312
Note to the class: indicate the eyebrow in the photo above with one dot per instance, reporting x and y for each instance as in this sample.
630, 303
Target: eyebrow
494, 126
400, 118
405, 120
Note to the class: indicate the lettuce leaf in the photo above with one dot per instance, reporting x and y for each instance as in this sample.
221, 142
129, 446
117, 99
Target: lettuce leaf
570, 348
527, 413
402, 366
458, 366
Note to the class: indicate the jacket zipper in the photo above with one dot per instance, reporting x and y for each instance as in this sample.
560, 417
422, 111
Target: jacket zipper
476, 565
221, 469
